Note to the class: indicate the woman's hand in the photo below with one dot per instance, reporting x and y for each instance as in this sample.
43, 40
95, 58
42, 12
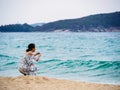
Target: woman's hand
38, 56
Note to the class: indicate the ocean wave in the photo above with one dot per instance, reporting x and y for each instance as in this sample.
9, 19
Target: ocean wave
10, 63
80, 69
7, 56
86, 65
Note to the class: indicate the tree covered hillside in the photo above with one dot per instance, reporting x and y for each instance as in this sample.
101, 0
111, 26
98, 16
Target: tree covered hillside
94, 23
89, 23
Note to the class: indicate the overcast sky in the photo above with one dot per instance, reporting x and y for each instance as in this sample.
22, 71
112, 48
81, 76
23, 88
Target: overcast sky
37, 11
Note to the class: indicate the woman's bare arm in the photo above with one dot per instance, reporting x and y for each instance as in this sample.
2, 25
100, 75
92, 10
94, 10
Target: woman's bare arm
38, 56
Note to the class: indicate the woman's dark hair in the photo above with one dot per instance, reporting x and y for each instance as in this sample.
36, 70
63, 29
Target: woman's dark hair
30, 47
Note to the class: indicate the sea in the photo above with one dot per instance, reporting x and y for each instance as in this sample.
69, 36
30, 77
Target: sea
86, 56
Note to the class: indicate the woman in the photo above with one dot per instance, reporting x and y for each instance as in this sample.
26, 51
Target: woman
26, 66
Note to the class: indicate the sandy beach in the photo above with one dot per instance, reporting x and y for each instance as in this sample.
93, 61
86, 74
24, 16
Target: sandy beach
44, 83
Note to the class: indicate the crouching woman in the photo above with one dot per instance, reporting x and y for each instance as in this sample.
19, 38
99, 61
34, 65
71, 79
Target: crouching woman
26, 65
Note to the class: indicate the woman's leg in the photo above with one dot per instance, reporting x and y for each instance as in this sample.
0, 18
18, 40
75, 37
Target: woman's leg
23, 72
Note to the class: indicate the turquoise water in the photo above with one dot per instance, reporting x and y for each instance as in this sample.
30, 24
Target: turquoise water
91, 57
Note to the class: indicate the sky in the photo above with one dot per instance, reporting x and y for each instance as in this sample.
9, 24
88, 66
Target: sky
43, 11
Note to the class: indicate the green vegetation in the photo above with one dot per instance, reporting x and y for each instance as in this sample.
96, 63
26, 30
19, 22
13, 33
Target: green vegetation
16, 28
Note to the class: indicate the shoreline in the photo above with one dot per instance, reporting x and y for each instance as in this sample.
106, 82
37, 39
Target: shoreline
45, 83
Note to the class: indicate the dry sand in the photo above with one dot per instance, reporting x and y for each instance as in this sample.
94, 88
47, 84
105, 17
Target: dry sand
44, 83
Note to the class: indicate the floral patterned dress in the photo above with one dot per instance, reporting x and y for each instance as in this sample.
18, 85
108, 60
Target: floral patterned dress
26, 65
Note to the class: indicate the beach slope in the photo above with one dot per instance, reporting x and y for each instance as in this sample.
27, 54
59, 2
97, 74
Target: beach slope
44, 83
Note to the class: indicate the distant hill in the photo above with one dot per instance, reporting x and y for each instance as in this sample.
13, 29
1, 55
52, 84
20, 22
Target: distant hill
92, 23
16, 28
37, 24
109, 22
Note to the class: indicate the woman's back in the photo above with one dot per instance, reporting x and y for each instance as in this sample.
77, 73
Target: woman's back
26, 62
